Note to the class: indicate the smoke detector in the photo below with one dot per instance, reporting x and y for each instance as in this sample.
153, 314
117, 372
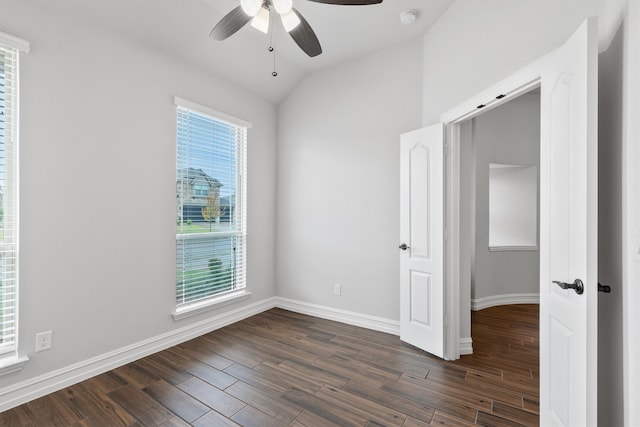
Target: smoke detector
408, 16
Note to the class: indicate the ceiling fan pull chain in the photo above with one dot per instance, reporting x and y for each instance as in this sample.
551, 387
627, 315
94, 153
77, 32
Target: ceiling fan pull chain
272, 48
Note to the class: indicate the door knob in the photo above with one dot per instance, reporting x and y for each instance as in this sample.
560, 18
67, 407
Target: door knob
577, 285
403, 246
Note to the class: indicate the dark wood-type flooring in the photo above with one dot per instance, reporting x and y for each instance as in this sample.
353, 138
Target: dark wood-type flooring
285, 369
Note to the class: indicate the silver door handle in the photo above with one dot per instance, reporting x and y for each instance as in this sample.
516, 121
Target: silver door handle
577, 285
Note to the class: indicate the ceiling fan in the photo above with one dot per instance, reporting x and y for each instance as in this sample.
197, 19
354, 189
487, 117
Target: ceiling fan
259, 13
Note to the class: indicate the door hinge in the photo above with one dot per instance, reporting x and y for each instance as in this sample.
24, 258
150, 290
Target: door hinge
446, 148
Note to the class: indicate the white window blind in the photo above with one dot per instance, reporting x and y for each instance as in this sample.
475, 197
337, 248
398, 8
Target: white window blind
8, 200
210, 205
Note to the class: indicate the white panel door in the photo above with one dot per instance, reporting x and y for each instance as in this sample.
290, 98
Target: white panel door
569, 232
422, 239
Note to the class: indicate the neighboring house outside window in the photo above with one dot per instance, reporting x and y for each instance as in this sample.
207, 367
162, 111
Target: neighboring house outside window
210, 205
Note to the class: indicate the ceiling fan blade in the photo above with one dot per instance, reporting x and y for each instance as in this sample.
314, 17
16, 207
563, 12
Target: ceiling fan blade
231, 23
304, 36
349, 2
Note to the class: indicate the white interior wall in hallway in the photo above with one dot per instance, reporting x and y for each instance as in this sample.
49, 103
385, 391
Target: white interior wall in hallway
509, 134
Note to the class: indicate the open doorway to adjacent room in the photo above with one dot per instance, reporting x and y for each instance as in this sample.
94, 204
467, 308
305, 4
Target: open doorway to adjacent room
499, 240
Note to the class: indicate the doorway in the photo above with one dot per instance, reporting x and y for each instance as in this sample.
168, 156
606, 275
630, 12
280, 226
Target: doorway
499, 209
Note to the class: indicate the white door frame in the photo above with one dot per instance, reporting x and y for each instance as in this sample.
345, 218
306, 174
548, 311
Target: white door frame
517, 84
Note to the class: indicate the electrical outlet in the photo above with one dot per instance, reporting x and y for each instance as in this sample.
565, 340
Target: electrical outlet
44, 341
337, 289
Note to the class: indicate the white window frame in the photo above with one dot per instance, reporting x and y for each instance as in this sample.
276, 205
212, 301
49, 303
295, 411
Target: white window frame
10, 361
240, 291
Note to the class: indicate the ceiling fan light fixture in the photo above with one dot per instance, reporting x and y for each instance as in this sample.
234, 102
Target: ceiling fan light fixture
251, 7
290, 20
261, 20
282, 6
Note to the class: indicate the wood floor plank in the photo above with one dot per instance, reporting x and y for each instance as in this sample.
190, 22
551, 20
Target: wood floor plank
146, 410
161, 368
175, 422
289, 378
531, 404
489, 420
228, 350
211, 396
203, 355
370, 410
106, 383
177, 401
515, 414
97, 406
326, 375
136, 375
257, 378
209, 374
276, 406
318, 412
435, 400
252, 417
53, 410
412, 422
390, 400
16, 417
462, 394
213, 418
444, 419
309, 419
478, 389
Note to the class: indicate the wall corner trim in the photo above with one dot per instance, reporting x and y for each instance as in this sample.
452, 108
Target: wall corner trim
504, 299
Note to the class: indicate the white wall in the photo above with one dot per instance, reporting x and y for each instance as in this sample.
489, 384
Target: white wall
97, 178
476, 44
338, 181
509, 134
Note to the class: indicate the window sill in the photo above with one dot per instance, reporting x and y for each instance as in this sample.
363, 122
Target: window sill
11, 364
512, 248
201, 307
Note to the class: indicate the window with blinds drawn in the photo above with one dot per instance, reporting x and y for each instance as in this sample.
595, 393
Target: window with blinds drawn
210, 205
8, 192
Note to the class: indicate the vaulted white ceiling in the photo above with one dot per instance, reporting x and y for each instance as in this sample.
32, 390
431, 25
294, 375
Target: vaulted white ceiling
180, 28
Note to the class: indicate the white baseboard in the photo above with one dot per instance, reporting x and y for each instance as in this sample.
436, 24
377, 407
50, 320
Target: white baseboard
25, 391
50, 382
466, 346
349, 317
505, 299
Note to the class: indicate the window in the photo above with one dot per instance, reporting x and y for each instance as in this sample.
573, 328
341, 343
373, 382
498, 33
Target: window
8, 199
210, 205
201, 190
